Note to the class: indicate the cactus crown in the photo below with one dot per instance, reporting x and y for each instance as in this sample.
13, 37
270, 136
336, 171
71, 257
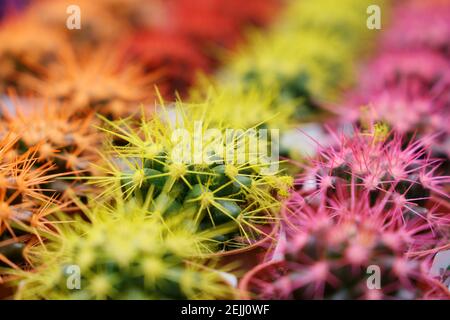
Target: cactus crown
181, 164
94, 81
381, 164
332, 248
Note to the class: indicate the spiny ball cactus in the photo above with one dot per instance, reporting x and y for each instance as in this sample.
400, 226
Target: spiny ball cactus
123, 252
305, 55
381, 163
59, 136
182, 162
21, 52
24, 204
261, 108
419, 25
346, 249
96, 81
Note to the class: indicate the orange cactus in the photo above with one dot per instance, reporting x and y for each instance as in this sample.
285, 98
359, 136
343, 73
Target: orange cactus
56, 133
25, 203
97, 23
25, 47
95, 81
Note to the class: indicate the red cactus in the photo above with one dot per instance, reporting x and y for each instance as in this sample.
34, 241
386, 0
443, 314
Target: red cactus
177, 58
192, 36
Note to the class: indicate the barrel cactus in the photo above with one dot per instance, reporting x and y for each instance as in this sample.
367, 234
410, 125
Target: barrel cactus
348, 248
25, 206
59, 136
184, 163
123, 252
382, 163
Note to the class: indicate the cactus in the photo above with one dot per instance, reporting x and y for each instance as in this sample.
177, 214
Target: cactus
372, 199
406, 85
419, 73
173, 53
97, 82
21, 52
228, 186
63, 139
266, 110
336, 249
420, 25
382, 163
25, 206
195, 39
305, 55
403, 113
124, 251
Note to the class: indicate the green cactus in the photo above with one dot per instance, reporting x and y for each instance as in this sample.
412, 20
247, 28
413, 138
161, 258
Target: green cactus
227, 185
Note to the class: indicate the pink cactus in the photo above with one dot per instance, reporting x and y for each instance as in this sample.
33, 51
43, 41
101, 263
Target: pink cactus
421, 115
409, 91
335, 246
408, 84
365, 202
417, 71
421, 24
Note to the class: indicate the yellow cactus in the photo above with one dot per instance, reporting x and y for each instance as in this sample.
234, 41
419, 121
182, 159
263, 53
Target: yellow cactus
124, 251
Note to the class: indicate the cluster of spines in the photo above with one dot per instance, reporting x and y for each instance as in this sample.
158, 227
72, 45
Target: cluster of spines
223, 192
332, 250
371, 199
25, 202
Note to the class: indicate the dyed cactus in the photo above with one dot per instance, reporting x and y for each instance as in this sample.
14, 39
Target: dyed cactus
381, 163
58, 136
16, 57
369, 200
177, 56
308, 55
97, 82
24, 204
181, 163
348, 247
261, 108
419, 25
123, 252
407, 84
